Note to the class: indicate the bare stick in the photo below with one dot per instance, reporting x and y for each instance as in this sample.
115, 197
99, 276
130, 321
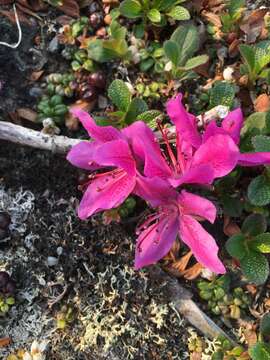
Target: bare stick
24, 136
14, 46
181, 300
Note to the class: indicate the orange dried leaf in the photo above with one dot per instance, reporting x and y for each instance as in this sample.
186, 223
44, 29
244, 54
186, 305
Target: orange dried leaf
5, 341
27, 114
262, 103
193, 272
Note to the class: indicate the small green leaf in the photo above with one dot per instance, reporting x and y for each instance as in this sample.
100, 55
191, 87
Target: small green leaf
222, 93
154, 15
145, 65
120, 95
235, 246
195, 62
172, 51
255, 121
255, 267
261, 243
262, 54
254, 224
261, 143
260, 351
259, 191
136, 107
150, 117
248, 53
179, 13
130, 9
265, 325
187, 39
232, 206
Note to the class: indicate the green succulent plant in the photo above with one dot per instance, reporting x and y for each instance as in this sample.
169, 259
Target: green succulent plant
52, 107
250, 246
154, 12
255, 60
129, 109
181, 47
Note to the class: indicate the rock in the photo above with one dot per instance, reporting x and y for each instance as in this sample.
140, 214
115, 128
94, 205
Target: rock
52, 261
53, 45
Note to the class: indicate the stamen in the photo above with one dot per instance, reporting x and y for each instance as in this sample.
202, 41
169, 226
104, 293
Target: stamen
166, 140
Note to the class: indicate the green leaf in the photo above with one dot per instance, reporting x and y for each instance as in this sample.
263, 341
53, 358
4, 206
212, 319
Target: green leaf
255, 121
150, 117
172, 51
130, 9
154, 15
235, 246
106, 50
259, 191
248, 53
117, 31
261, 143
195, 62
222, 93
261, 243
136, 107
138, 30
254, 224
232, 206
260, 351
255, 267
145, 65
262, 55
187, 39
179, 13
120, 95
265, 325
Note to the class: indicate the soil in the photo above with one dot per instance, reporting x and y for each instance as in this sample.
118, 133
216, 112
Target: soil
117, 313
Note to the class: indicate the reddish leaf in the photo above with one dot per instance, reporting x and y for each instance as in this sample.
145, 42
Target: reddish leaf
70, 7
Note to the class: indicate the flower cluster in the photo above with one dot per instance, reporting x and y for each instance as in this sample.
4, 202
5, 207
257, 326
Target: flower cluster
136, 164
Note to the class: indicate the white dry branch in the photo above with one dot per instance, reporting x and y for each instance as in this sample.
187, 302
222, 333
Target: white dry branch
61, 144
24, 136
14, 46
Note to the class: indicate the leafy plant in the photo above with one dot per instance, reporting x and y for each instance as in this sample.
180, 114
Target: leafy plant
230, 18
249, 247
155, 12
180, 49
52, 107
222, 93
152, 57
128, 109
261, 350
115, 47
222, 299
256, 58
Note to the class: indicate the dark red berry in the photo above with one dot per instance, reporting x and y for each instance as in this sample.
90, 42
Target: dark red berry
4, 220
97, 79
90, 94
96, 20
10, 287
83, 178
4, 279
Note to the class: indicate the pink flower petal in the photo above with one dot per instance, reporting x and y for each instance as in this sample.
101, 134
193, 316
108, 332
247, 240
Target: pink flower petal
81, 155
220, 152
211, 130
233, 123
154, 190
99, 133
185, 123
145, 147
254, 159
116, 153
107, 191
201, 243
197, 205
199, 174
155, 242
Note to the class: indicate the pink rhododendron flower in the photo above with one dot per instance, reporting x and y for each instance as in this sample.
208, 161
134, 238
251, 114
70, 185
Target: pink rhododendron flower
109, 149
177, 213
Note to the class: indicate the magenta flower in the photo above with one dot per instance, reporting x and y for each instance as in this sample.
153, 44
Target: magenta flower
194, 162
177, 213
109, 149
